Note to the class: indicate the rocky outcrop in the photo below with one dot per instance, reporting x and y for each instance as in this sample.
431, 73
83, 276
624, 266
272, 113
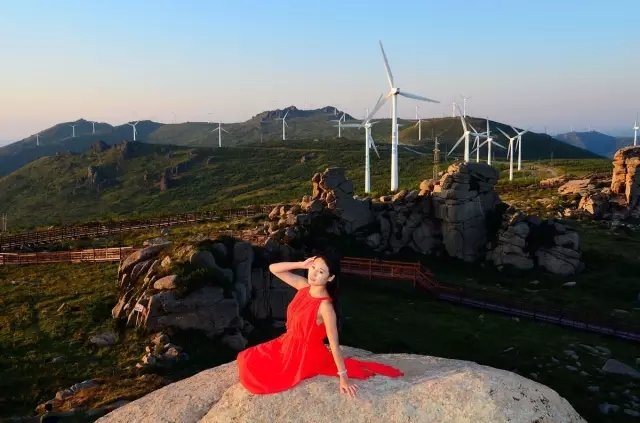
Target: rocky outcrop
577, 186
523, 242
165, 180
453, 215
185, 288
596, 205
624, 181
465, 198
431, 390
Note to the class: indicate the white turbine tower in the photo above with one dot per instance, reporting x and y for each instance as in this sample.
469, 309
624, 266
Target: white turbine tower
37, 140
94, 126
519, 135
635, 131
366, 124
418, 124
220, 129
465, 137
489, 141
464, 105
476, 141
340, 125
73, 133
510, 152
284, 125
133, 125
393, 94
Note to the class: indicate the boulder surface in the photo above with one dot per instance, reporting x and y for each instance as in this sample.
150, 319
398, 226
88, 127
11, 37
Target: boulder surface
432, 390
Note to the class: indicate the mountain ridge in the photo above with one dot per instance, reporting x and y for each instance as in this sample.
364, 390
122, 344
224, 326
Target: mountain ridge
263, 127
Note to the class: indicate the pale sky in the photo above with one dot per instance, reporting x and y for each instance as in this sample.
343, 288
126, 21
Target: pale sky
528, 63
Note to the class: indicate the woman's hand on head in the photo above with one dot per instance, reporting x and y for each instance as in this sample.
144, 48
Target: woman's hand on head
307, 263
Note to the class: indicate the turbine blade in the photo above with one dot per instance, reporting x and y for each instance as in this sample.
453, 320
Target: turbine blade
504, 133
225, 130
386, 66
498, 145
381, 102
373, 144
350, 125
416, 97
456, 144
464, 124
285, 115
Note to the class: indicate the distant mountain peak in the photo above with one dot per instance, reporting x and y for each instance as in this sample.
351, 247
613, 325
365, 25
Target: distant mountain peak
292, 112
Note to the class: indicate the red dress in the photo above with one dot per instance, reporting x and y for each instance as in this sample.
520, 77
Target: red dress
299, 353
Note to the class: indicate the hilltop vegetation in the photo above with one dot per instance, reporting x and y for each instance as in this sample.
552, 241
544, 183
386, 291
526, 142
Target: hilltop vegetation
265, 128
113, 183
60, 189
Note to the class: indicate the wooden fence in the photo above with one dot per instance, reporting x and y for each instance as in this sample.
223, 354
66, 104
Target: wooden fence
98, 229
420, 278
92, 255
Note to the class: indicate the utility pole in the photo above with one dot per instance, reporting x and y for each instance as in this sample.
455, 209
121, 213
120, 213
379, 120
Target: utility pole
436, 160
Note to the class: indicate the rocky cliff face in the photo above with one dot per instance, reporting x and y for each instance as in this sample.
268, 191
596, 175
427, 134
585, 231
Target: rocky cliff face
460, 215
625, 181
431, 390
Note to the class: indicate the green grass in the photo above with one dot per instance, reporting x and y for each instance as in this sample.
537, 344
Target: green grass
33, 333
379, 316
56, 190
387, 317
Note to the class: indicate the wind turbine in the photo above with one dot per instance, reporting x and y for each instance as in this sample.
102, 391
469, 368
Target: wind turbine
220, 129
418, 124
509, 152
37, 140
465, 137
476, 141
133, 125
393, 94
284, 125
367, 124
94, 127
464, 105
635, 130
519, 135
453, 109
73, 135
489, 141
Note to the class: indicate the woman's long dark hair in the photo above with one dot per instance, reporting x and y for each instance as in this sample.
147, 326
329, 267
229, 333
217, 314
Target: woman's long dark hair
332, 260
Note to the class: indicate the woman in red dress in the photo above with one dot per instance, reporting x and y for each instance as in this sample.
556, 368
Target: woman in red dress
300, 353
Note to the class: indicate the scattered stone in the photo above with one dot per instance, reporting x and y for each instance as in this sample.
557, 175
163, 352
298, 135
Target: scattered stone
569, 284
58, 360
571, 368
619, 312
104, 339
607, 408
593, 389
632, 412
617, 367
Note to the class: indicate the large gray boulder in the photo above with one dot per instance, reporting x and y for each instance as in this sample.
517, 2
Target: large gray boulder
431, 390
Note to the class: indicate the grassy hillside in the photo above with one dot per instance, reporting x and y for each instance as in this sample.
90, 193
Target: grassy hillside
448, 130
263, 128
58, 139
58, 189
